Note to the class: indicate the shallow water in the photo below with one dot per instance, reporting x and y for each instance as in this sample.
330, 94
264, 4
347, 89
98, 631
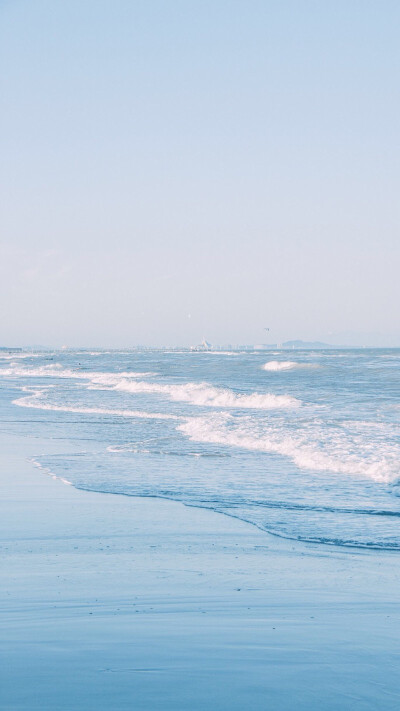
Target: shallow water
304, 444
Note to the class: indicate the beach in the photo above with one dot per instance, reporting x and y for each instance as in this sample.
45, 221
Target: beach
199, 356
119, 602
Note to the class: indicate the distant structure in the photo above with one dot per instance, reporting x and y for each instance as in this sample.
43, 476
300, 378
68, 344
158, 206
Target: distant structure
204, 346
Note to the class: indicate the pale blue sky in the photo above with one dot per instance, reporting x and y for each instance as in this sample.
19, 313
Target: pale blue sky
177, 169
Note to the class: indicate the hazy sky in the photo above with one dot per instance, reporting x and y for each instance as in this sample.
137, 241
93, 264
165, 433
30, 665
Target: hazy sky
173, 169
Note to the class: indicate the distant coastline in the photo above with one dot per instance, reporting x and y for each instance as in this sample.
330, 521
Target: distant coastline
286, 345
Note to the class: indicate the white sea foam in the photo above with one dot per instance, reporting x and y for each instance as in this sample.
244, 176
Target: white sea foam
209, 396
117, 448
195, 393
19, 356
36, 400
315, 449
56, 370
50, 473
277, 365
135, 449
101, 381
219, 353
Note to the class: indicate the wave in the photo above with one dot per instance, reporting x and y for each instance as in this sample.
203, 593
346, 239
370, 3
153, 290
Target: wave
315, 508
35, 400
133, 449
340, 452
48, 471
56, 370
220, 353
209, 396
326, 541
19, 356
278, 365
99, 381
195, 393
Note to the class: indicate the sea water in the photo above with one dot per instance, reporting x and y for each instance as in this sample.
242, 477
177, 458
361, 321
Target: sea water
303, 444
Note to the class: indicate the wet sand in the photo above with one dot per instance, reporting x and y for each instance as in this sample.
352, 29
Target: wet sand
112, 602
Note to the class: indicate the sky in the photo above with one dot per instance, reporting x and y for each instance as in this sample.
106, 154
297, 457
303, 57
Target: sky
178, 169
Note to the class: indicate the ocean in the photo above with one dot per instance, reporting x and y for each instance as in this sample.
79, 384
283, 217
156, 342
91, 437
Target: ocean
302, 444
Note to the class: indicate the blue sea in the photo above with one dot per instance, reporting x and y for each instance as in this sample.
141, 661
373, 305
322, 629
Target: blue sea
302, 444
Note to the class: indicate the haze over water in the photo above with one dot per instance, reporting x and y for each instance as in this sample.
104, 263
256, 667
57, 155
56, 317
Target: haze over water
174, 169
304, 444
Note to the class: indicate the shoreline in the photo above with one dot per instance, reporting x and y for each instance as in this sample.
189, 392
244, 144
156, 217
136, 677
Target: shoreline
342, 546
118, 602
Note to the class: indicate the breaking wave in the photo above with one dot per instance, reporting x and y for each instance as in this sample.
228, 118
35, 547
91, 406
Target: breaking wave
201, 394
19, 356
36, 401
277, 365
209, 396
339, 451
317, 461
56, 370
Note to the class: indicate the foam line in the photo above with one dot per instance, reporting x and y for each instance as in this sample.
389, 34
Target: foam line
209, 396
279, 365
35, 401
343, 453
